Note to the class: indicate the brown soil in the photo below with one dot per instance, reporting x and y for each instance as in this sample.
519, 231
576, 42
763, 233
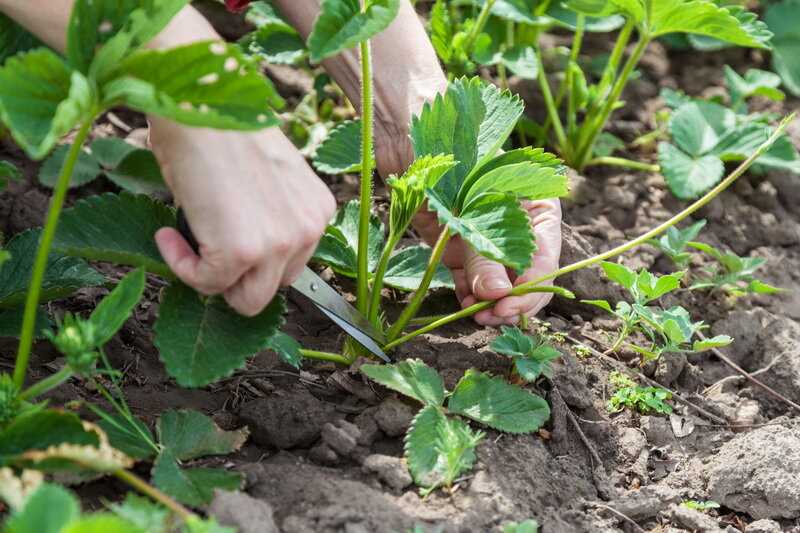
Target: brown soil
552, 476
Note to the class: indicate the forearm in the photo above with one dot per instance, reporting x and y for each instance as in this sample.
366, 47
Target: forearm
405, 69
48, 20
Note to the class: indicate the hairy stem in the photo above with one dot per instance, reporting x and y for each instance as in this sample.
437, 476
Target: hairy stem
577, 43
326, 356
552, 110
477, 28
362, 291
377, 280
40, 265
610, 72
47, 384
148, 490
534, 285
416, 299
622, 163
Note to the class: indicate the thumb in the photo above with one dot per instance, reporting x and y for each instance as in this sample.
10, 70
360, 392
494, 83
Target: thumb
487, 280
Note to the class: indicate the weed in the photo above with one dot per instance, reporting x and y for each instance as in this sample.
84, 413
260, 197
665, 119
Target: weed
644, 400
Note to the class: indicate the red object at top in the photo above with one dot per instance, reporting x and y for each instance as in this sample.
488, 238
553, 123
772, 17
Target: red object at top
236, 6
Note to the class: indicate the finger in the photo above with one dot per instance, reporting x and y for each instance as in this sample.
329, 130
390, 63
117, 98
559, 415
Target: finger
295, 267
460, 281
254, 291
487, 280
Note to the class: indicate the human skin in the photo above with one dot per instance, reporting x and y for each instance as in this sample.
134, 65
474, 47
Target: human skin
254, 235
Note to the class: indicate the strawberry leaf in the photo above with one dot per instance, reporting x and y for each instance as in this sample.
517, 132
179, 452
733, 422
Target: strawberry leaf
340, 152
513, 342
11, 322
192, 486
719, 341
116, 228
342, 24
14, 39
338, 245
411, 377
86, 168
218, 87
49, 509
192, 332
276, 42
688, 177
521, 60
39, 430
783, 19
408, 190
406, 268
188, 434
113, 310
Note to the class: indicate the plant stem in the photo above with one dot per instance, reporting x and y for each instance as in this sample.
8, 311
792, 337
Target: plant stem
416, 299
42, 254
477, 28
47, 384
533, 286
572, 111
148, 490
377, 280
362, 291
596, 123
623, 163
610, 72
552, 110
325, 356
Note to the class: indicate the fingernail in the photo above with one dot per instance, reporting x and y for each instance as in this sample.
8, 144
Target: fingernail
495, 284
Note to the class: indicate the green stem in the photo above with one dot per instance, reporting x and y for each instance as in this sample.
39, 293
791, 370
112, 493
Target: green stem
572, 111
552, 110
47, 384
610, 72
424, 320
533, 286
362, 290
416, 299
377, 280
148, 490
596, 123
565, 83
623, 163
477, 28
325, 356
43, 252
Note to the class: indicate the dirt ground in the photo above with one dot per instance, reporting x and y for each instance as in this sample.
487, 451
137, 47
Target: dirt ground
325, 446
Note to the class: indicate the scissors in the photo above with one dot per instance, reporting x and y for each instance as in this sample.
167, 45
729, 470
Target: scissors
326, 298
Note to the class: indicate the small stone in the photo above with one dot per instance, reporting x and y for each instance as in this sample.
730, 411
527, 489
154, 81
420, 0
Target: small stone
631, 443
764, 526
338, 439
646, 502
391, 470
394, 416
658, 430
368, 428
243, 512
293, 420
747, 413
323, 454
694, 520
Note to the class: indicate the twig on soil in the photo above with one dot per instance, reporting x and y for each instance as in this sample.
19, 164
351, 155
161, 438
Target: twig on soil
749, 377
620, 515
574, 422
621, 366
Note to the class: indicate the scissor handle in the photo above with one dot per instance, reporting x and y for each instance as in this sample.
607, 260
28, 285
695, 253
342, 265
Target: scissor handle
182, 225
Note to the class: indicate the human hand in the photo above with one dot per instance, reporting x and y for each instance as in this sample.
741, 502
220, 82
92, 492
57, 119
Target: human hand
255, 207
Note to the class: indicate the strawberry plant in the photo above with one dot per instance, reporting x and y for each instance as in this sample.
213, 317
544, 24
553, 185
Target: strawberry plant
439, 445
731, 273
674, 243
644, 400
531, 354
783, 20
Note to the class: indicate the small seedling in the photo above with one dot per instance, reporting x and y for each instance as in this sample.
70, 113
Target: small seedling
675, 241
440, 446
531, 354
526, 526
700, 505
731, 273
628, 394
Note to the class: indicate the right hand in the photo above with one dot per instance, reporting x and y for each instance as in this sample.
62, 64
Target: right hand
255, 207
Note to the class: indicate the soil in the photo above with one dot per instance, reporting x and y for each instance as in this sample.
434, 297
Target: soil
325, 447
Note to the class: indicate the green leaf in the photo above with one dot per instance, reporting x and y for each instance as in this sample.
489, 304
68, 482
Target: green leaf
341, 24
513, 342
719, 341
41, 100
697, 126
498, 404
340, 152
48, 510
113, 310
653, 287
127, 434
471, 120
783, 19
528, 526
441, 31
275, 42
567, 18
526, 181
116, 228
192, 332
619, 274
188, 434
338, 245
408, 190
439, 449
704, 17
754, 83
406, 268
101, 523
607, 143
139, 173
287, 348
86, 168
521, 60
192, 486
602, 304
144, 513
14, 39
208, 84
64, 275
759, 287
8, 172
110, 151
495, 226
11, 322
41, 429
688, 177
412, 378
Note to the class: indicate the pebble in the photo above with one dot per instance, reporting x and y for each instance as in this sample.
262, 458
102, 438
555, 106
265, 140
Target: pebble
394, 416
390, 470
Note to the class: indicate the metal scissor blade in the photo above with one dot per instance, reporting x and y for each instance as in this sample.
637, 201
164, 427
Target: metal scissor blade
342, 313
